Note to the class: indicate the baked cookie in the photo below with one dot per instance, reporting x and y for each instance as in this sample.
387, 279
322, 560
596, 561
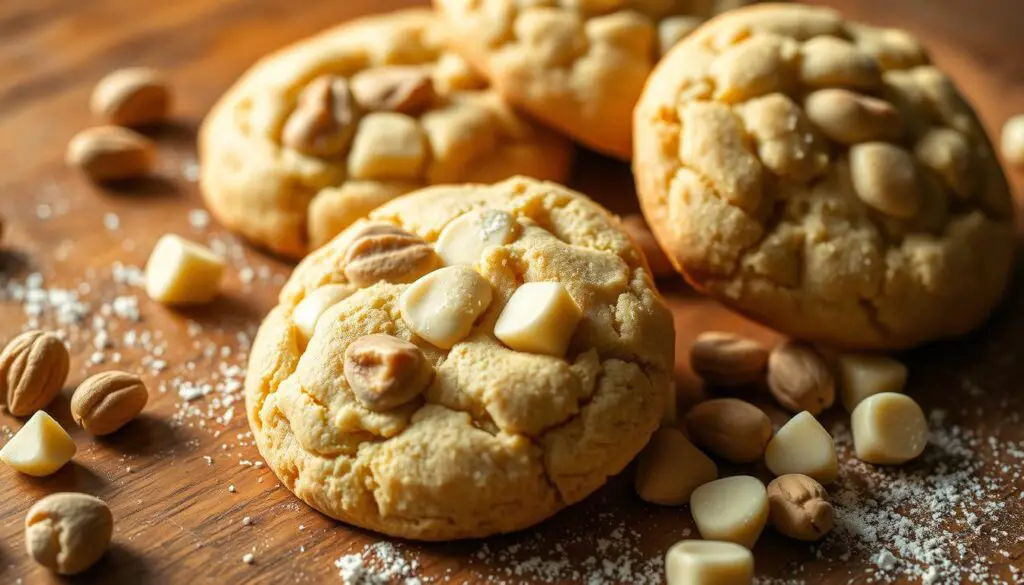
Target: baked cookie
466, 362
824, 178
577, 65
316, 135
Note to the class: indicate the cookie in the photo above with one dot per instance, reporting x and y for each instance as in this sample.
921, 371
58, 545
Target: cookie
317, 134
407, 411
577, 65
824, 178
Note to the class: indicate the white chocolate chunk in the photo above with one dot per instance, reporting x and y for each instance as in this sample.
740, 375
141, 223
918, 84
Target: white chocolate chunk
863, 375
888, 429
464, 240
182, 272
734, 509
802, 445
442, 305
540, 317
708, 562
309, 309
387, 146
670, 468
40, 448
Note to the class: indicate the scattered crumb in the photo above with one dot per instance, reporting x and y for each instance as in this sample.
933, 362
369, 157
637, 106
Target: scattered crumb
199, 219
248, 558
247, 521
231, 488
111, 221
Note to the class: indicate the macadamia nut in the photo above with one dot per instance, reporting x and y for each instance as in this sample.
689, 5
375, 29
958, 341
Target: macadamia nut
889, 428
670, 468
734, 509
708, 562
68, 532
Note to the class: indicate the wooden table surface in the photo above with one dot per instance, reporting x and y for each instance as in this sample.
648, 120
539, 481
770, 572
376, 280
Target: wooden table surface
167, 475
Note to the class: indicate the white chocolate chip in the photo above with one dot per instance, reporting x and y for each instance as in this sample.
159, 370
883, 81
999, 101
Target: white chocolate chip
888, 428
309, 309
670, 468
1011, 142
734, 509
708, 562
540, 317
40, 448
862, 375
442, 306
802, 445
182, 272
464, 239
387, 146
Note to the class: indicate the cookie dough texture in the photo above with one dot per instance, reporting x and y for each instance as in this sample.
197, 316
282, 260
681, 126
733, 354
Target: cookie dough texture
577, 65
500, 439
823, 177
451, 129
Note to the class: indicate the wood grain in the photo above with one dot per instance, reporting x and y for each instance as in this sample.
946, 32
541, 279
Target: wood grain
176, 520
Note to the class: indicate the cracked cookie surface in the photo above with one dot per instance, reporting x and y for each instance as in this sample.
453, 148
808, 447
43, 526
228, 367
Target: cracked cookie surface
578, 65
316, 135
499, 439
824, 178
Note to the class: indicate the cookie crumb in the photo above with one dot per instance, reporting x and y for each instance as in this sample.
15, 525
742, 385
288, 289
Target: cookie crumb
248, 558
231, 488
111, 221
247, 521
199, 219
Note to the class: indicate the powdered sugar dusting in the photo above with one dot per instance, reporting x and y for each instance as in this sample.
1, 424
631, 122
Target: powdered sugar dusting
378, 564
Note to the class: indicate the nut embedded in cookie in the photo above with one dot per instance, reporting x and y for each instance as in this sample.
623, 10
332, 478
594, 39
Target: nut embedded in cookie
381, 252
395, 88
385, 372
325, 119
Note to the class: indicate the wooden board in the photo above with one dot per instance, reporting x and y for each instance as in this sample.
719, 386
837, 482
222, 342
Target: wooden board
167, 475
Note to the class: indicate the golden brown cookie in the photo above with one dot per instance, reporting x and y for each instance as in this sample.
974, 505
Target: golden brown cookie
577, 65
514, 355
317, 134
824, 178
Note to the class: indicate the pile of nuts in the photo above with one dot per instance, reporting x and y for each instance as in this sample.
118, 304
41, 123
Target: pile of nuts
66, 532
124, 99
888, 428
